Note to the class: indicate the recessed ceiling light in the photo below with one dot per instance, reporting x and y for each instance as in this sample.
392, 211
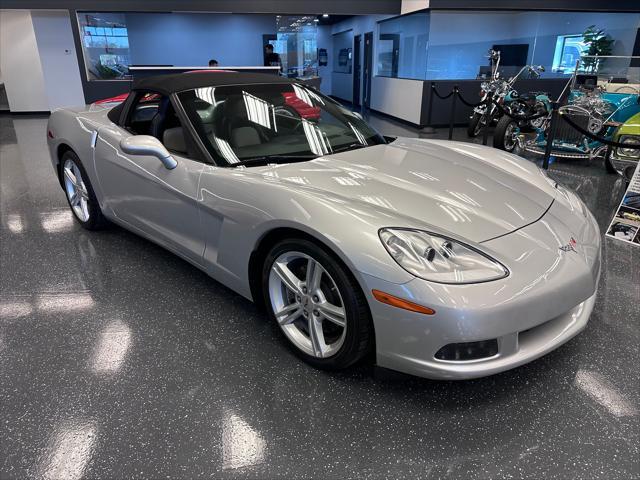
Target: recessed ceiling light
316, 20
325, 15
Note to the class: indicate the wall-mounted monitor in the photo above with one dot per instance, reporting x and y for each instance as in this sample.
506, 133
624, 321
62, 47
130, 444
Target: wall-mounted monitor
514, 55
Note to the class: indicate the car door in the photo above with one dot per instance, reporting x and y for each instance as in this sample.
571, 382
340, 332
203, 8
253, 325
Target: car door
142, 193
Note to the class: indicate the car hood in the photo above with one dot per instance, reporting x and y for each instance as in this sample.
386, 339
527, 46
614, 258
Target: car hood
467, 190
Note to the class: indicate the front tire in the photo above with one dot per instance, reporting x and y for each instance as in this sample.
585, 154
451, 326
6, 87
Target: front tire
476, 124
607, 162
317, 305
79, 192
505, 134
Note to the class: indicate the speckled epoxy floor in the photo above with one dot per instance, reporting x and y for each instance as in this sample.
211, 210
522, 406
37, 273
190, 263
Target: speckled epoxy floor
119, 360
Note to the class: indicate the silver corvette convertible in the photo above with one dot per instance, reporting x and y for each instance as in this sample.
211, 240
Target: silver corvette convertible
437, 258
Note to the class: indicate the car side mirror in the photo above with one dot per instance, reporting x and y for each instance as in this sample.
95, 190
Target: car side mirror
148, 145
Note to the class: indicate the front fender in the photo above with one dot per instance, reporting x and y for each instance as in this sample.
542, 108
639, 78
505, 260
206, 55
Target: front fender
74, 131
239, 209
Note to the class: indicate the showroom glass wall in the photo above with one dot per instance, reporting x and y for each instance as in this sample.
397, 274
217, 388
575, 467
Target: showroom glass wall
444, 44
113, 41
296, 43
402, 46
105, 45
426, 45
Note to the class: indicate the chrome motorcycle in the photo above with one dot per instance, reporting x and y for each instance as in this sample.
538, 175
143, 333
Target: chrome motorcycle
503, 93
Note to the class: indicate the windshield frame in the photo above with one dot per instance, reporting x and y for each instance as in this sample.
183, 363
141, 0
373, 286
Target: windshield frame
219, 160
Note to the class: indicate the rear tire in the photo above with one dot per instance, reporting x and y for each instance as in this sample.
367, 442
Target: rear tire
503, 136
333, 289
79, 193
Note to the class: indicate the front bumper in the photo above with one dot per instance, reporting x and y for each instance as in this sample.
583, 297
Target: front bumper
567, 151
546, 300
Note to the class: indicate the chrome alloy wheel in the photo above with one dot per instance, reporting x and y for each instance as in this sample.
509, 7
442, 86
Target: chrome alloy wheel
76, 190
510, 137
307, 304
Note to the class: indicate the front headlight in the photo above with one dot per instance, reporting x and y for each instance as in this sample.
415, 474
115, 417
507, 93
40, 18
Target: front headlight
439, 259
630, 152
595, 125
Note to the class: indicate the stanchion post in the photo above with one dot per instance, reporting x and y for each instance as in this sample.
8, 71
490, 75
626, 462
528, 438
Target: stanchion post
453, 110
427, 128
431, 99
487, 119
552, 134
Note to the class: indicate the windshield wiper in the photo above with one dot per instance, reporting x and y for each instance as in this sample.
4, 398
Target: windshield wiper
267, 159
353, 146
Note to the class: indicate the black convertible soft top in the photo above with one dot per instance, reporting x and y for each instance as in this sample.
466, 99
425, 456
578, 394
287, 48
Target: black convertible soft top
179, 82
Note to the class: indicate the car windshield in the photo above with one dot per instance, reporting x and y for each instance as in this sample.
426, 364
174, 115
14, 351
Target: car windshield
261, 123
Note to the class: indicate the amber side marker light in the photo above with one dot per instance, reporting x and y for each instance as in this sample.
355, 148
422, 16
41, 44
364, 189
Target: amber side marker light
401, 303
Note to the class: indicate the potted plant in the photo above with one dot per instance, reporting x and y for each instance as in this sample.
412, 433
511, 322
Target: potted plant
599, 44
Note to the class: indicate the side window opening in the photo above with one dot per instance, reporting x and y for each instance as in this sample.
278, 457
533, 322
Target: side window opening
153, 114
143, 111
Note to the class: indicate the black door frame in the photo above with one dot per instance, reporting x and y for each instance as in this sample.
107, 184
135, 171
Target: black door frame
636, 50
357, 71
368, 67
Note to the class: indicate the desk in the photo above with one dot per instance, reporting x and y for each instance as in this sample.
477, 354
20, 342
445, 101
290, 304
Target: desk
142, 71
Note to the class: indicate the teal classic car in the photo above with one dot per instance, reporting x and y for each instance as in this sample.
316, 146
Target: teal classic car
598, 103
624, 160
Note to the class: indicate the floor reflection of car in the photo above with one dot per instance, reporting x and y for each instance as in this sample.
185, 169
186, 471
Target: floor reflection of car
439, 259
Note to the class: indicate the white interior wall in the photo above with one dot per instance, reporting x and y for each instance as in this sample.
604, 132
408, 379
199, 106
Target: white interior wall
20, 63
398, 97
409, 6
325, 40
58, 58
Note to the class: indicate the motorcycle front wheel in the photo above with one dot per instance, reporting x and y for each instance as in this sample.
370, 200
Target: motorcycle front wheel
476, 124
505, 136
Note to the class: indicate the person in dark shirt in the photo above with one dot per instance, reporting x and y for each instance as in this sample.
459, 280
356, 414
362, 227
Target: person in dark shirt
213, 63
271, 59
